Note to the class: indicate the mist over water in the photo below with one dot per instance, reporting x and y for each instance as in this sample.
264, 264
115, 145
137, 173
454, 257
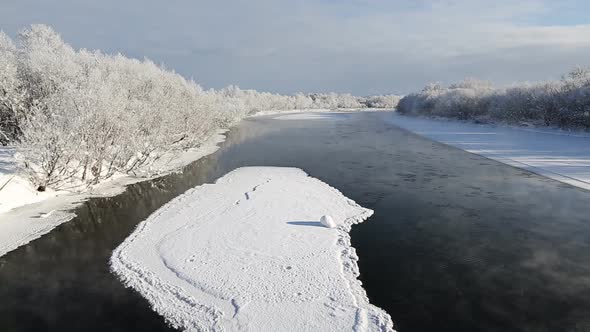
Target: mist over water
457, 242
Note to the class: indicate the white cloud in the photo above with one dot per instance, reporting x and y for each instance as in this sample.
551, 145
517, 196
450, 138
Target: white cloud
360, 46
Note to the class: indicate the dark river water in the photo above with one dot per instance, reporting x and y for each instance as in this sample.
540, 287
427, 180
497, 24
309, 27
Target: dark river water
457, 242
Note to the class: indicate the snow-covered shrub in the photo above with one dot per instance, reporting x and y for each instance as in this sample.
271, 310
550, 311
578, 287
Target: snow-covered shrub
334, 101
422, 102
564, 103
383, 101
11, 98
82, 116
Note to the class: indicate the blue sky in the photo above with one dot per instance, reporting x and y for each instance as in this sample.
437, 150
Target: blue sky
357, 46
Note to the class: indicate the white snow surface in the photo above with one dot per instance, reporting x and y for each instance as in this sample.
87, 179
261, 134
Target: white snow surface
557, 154
14, 189
26, 214
314, 113
296, 111
248, 253
327, 221
313, 116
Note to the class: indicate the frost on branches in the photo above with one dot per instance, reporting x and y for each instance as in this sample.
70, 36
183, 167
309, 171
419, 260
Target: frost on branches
79, 116
564, 103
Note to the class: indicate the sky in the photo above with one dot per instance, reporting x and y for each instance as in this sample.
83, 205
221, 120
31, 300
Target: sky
350, 46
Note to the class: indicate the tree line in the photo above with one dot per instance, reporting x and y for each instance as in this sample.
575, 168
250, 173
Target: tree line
564, 103
78, 117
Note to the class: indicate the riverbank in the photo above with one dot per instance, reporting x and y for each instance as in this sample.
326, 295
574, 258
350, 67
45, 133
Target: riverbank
270, 265
29, 214
26, 214
554, 153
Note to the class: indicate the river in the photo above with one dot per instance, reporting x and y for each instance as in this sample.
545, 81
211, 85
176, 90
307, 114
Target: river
457, 242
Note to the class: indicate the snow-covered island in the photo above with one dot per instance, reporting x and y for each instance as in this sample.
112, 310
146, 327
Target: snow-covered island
249, 253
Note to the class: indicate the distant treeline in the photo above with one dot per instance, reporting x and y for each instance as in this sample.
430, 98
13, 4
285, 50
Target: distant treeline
564, 103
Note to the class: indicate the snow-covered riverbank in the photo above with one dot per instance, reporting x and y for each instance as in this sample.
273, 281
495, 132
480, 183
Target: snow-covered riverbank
557, 154
249, 253
26, 214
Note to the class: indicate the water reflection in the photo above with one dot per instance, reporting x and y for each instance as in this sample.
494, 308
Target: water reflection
457, 242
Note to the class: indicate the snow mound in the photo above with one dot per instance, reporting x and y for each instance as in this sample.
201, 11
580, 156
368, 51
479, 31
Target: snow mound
328, 221
246, 253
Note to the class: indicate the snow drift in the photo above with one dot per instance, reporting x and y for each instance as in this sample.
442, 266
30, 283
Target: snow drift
249, 253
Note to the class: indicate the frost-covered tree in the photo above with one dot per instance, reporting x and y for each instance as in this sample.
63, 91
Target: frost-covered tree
79, 116
11, 97
383, 101
564, 103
